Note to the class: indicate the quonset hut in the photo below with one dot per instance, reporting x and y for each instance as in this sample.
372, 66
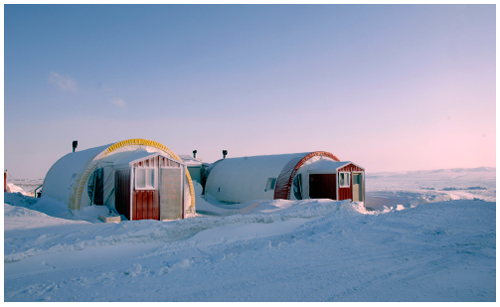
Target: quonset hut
298, 176
140, 179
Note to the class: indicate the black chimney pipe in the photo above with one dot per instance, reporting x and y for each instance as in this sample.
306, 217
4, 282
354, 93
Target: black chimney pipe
224, 154
75, 145
194, 153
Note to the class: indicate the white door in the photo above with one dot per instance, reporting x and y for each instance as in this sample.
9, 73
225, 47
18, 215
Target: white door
357, 187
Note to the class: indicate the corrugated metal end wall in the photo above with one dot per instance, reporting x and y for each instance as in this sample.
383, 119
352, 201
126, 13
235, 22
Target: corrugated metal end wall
146, 203
346, 193
285, 178
351, 168
122, 192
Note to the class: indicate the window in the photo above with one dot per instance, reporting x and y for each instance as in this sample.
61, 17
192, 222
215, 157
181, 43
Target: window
95, 187
297, 186
144, 178
271, 182
344, 181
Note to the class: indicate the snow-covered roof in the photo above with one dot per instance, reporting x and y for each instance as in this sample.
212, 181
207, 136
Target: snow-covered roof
243, 179
130, 157
325, 166
190, 161
67, 179
63, 178
246, 178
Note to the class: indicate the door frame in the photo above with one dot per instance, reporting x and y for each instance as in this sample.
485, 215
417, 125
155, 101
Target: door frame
361, 183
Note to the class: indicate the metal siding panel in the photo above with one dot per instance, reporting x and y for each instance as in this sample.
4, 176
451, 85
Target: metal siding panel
131, 198
313, 187
334, 185
170, 190
350, 168
144, 195
122, 192
128, 191
150, 204
146, 205
350, 186
117, 193
134, 205
156, 215
138, 207
133, 216
345, 193
281, 188
341, 193
331, 186
99, 186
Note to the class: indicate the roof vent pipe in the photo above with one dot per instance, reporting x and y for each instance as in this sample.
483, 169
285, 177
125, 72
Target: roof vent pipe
224, 154
194, 153
75, 145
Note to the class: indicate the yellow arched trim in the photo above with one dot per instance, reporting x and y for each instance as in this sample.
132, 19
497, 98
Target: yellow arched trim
143, 142
160, 146
83, 179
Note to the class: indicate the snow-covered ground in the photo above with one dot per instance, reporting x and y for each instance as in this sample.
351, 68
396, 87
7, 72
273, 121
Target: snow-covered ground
426, 236
24, 186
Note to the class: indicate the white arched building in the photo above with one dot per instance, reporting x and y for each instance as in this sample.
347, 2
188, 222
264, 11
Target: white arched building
140, 179
298, 176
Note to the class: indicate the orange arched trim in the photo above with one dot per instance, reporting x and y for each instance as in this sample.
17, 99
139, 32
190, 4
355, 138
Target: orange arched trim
285, 178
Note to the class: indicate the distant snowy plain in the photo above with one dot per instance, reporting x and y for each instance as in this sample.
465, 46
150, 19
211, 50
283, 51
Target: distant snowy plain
426, 236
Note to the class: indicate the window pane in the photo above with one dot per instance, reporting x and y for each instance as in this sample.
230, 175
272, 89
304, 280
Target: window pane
341, 179
271, 182
297, 186
144, 178
140, 178
149, 180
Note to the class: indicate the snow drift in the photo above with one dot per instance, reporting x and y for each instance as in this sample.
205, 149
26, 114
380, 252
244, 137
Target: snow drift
432, 240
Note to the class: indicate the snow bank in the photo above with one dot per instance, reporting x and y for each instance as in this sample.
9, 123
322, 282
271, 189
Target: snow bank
435, 252
420, 245
146, 231
12, 188
17, 218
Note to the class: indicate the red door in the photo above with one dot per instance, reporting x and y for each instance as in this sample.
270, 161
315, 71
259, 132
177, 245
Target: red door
145, 205
322, 186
